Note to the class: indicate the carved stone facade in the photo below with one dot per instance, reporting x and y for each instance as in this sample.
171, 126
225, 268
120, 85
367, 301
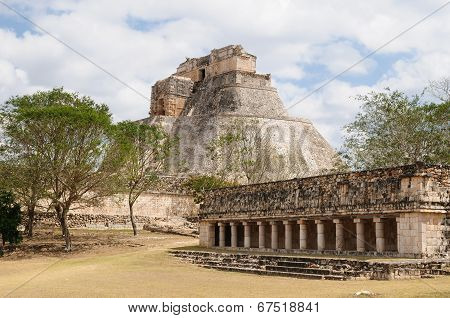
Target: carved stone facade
397, 211
220, 61
169, 96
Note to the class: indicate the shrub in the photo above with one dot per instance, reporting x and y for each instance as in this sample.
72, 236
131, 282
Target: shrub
10, 218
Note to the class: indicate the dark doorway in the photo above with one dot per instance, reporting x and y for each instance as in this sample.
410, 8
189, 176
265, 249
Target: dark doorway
228, 235
216, 235
201, 74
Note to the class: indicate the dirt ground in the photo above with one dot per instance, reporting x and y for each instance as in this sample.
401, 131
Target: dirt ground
113, 263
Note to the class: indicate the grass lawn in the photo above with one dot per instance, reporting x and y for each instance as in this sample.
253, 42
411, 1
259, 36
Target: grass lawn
141, 267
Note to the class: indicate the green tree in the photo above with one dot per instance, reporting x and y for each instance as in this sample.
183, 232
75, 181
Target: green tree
242, 153
440, 89
9, 219
199, 184
394, 129
74, 135
22, 171
146, 149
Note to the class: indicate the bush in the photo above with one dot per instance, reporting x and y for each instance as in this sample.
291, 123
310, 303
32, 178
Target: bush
10, 218
199, 184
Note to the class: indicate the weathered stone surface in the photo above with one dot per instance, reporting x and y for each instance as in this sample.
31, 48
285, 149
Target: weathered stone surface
409, 188
168, 208
187, 225
315, 268
227, 88
401, 211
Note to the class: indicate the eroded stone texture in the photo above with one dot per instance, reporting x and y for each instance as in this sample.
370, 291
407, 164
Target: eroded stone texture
207, 95
401, 209
168, 201
315, 268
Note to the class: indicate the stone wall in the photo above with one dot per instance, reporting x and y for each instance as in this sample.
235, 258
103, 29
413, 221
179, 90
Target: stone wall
219, 61
402, 210
168, 201
179, 225
419, 187
237, 93
169, 96
151, 204
422, 233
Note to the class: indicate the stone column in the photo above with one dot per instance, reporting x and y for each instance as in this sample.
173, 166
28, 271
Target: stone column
303, 234
234, 237
247, 234
287, 235
274, 235
261, 234
211, 234
359, 235
320, 235
399, 238
222, 234
339, 234
379, 234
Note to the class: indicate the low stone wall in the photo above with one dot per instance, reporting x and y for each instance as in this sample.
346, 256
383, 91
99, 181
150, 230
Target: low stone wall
175, 225
167, 211
150, 204
102, 221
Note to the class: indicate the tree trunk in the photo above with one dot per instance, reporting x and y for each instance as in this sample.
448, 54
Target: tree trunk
30, 212
59, 215
65, 230
133, 222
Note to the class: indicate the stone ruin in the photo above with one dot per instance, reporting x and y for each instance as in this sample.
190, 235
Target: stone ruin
207, 95
400, 211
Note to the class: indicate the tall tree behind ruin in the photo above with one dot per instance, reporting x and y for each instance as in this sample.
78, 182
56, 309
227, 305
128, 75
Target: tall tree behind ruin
243, 154
394, 129
146, 150
73, 134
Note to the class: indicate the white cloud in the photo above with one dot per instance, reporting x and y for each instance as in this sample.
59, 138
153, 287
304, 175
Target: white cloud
338, 57
287, 36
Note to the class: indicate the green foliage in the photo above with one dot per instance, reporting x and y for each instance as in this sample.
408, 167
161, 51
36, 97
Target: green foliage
9, 218
393, 129
199, 184
72, 136
145, 150
242, 153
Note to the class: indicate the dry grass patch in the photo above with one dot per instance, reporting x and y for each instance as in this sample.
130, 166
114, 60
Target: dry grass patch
145, 269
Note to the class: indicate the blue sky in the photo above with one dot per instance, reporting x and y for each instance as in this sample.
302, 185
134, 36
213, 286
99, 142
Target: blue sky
301, 43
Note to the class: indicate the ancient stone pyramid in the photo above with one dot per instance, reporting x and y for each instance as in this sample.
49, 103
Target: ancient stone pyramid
208, 95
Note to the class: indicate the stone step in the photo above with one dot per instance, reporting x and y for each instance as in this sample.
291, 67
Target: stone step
222, 259
220, 263
425, 271
275, 273
312, 267
293, 264
306, 270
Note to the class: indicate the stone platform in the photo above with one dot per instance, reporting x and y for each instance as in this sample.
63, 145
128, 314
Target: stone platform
311, 267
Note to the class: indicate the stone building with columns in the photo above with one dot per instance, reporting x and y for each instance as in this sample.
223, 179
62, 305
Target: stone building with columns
400, 211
